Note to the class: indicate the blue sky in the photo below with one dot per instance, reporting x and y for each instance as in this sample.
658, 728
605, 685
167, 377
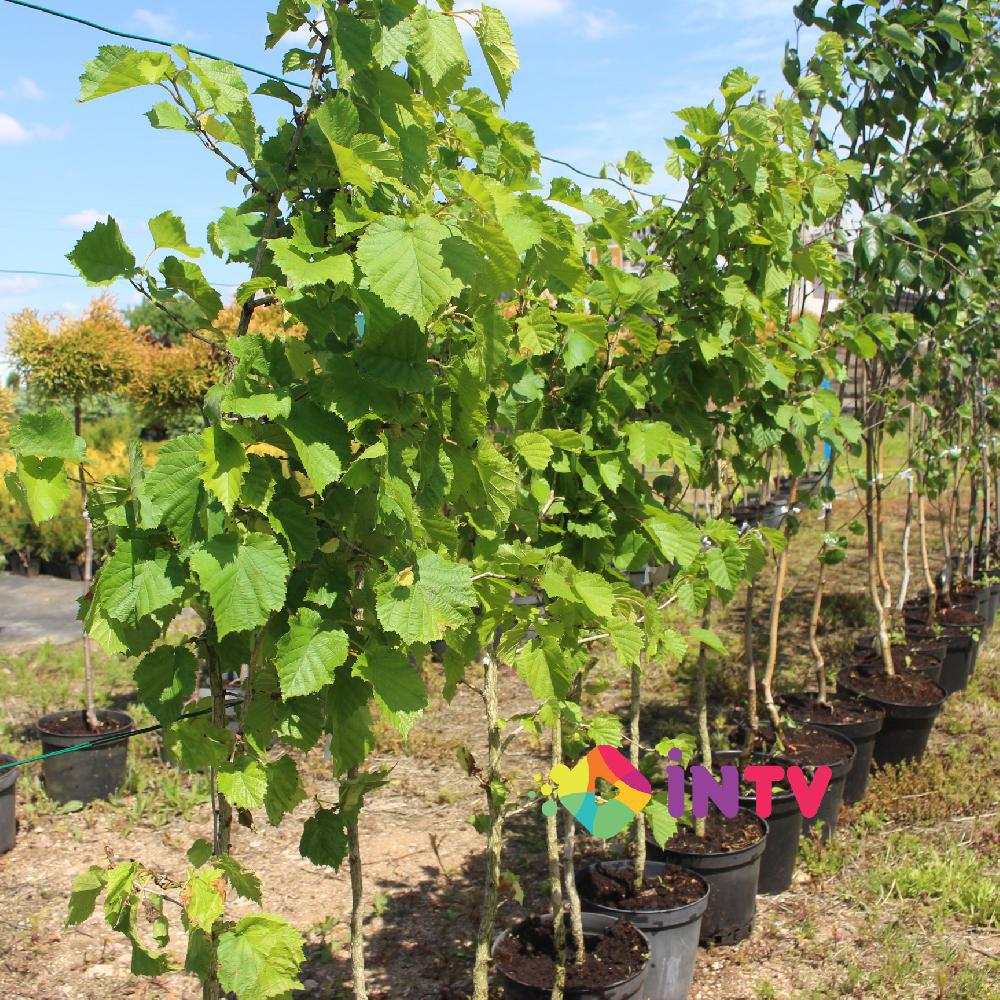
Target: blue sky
596, 80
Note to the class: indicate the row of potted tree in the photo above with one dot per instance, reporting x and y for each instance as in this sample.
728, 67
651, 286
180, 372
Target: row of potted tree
483, 431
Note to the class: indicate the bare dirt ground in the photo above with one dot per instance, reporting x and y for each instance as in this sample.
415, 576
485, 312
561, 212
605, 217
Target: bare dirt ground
904, 903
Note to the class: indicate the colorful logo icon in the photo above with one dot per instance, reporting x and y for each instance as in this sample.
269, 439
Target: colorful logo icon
578, 791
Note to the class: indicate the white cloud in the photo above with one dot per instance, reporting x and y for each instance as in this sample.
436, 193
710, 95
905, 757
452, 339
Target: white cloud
159, 24
597, 26
532, 10
22, 89
12, 131
84, 218
17, 285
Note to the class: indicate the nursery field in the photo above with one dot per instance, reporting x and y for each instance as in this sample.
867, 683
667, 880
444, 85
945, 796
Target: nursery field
903, 903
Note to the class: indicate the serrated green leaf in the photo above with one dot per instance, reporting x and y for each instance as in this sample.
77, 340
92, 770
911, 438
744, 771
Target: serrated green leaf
118, 67
171, 490
168, 233
224, 464
678, 537
284, 789
245, 580
401, 258
187, 277
139, 579
708, 638
535, 449
438, 598
204, 900
321, 441
165, 678
101, 254
40, 484
661, 824
260, 958
396, 682
304, 269
308, 654
47, 435
243, 782
497, 43
86, 888
437, 51
324, 839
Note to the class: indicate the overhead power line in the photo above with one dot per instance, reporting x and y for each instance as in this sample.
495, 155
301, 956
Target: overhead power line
281, 79
153, 41
68, 274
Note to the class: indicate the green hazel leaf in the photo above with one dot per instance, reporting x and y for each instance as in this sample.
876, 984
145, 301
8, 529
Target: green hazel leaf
40, 484
324, 839
350, 721
627, 638
571, 441
204, 901
224, 464
308, 654
86, 888
423, 601
172, 488
244, 881
677, 537
284, 789
497, 43
725, 567
708, 638
294, 520
546, 670
118, 67
300, 722
168, 233
737, 83
437, 51
139, 579
198, 743
535, 449
661, 824
304, 269
101, 254
500, 481
47, 435
595, 592
396, 682
605, 729
165, 678
260, 958
245, 580
166, 115
243, 782
187, 277
321, 440
401, 258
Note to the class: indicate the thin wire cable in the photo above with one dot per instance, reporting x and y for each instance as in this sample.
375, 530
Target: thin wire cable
291, 83
67, 274
154, 41
100, 741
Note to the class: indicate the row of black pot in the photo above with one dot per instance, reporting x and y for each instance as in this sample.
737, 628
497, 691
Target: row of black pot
879, 732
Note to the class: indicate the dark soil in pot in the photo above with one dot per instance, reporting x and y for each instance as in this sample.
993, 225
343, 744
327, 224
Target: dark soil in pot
668, 909
858, 721
911, 703
728, 858
784, 824
810, 747
614, 969
8, 807
903, 658
84, 775
961, 628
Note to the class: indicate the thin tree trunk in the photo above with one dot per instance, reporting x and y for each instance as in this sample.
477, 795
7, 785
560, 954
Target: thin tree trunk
88, 575
357, 905
817, 605
753, 719
880, 519
767, 682
925, 558
635, 707
701, 707
885, 645
555, 875
222, 811
569, 887
908, 523
494, 837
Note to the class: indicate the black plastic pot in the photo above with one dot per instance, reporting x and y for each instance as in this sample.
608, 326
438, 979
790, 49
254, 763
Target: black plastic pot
862, 735
594, 924
84, 775
732, 877
829, 809
990, 581
784, 826
673, 934
906, 729
8, 811
963, 648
